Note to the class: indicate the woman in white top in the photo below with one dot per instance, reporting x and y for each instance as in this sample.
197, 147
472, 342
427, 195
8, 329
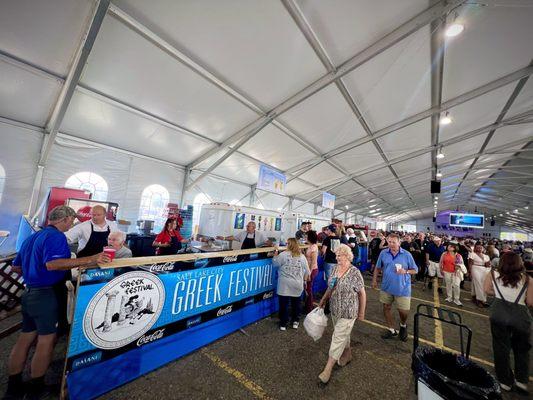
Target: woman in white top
510, 321
293, 271
479, 267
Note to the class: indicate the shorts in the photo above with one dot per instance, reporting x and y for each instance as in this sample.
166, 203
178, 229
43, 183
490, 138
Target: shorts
402, 302
40, 311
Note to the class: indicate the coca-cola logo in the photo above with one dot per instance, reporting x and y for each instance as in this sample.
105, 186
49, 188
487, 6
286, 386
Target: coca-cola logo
169, 266
228, 259
224, 311
84, 213
151, 338
268, 295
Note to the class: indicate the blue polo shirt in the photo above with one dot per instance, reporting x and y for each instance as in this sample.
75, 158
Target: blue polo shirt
435, 251
46, 245
392, 283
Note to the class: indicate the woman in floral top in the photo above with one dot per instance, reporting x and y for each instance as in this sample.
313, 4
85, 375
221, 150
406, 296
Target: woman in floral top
346, 292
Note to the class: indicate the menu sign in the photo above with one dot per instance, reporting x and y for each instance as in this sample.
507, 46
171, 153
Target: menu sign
271, 180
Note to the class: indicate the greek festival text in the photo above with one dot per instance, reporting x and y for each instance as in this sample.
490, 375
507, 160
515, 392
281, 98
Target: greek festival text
204, 287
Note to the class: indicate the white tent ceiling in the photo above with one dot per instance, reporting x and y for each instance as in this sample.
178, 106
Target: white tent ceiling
341, 95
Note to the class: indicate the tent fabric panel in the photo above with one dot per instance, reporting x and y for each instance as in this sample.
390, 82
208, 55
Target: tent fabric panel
92, 119
357, 24
360, 158
19, 154
484, 52
325, 119
382, 97
161, 84
274, 147
235, 40
407, 140
239, 167
322, 174
25, 96
45, 33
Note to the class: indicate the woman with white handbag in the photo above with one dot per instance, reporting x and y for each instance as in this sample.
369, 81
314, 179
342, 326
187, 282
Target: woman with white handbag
346, 292
453, 269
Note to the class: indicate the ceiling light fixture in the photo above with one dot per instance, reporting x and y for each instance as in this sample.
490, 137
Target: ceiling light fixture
445, 120
439, 174
454, 29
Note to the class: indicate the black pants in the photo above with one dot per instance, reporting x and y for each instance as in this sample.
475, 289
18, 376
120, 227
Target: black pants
284, 309
505, 339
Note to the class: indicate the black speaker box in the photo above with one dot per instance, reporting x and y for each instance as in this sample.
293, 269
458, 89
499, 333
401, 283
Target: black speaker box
435, 187
492, 222
434, 219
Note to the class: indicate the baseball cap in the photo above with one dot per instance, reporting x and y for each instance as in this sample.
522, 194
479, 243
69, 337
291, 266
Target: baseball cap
332, 228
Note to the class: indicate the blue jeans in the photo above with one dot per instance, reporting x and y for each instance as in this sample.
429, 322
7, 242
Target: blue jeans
328, 267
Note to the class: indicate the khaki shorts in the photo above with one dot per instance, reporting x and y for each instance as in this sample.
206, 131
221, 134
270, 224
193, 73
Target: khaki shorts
403, 303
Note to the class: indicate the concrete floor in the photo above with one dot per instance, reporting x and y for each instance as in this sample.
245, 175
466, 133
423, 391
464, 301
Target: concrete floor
265, 363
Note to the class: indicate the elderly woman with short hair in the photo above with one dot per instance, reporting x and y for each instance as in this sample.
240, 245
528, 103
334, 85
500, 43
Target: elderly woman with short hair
347, 296
116, 240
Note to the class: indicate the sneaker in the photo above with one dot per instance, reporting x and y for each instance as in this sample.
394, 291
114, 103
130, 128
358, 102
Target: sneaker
505, 388
458, 303
389, 334
282, 328
295, 325
42, 393
448, 299
403, 333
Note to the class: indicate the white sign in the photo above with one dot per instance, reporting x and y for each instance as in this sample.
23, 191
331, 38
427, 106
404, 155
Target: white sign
271, 180
124, 310
328, 200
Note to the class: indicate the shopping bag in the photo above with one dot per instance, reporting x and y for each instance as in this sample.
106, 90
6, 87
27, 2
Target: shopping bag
315, 323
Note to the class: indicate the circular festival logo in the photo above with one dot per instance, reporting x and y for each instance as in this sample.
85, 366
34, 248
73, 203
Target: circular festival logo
124, 310
84, 213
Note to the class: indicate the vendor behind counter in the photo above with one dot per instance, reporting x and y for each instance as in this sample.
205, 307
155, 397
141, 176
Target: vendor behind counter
250, 238
169, 241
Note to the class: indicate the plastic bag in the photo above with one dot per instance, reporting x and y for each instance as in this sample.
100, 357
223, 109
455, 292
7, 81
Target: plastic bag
452, 376
315, 323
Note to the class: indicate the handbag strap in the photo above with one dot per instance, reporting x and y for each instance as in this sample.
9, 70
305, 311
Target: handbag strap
501, 295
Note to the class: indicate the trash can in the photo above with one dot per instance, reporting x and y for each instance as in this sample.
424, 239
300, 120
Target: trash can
443, 375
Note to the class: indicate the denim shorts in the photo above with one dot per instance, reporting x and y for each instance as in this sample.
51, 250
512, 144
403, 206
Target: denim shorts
39, 311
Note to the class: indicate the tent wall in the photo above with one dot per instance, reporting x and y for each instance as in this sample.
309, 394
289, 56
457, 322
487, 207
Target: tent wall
19, 152
126, 176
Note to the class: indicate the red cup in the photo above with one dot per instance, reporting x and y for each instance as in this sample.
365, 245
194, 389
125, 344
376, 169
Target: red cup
110, 251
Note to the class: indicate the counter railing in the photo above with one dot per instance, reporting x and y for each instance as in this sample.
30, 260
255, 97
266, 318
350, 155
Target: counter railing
134, 315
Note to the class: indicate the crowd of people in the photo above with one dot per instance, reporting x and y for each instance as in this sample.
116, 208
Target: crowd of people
497, 268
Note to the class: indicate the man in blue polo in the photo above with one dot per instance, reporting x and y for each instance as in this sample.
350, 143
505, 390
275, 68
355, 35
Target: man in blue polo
44, 258
397, 265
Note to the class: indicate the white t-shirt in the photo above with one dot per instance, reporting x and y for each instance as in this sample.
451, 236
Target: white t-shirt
260, 238
82, 232
478, 261
509, 293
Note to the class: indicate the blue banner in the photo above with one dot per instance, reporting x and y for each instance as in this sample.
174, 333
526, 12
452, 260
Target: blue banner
122, 315
271, 180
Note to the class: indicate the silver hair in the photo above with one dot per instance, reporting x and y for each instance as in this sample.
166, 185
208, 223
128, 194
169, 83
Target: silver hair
60, 212
345, 250
119, 233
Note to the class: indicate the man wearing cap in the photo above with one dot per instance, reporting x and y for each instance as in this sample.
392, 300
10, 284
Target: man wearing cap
92, 235
44, 258
329, 246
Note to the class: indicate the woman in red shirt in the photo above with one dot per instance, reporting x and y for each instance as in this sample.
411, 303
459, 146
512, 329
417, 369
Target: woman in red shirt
168, 242
450, 267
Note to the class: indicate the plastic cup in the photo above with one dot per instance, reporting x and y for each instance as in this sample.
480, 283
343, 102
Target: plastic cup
398, 267
110, 251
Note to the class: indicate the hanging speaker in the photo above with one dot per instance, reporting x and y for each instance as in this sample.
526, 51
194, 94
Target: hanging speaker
435, 187
492, 222
434, 219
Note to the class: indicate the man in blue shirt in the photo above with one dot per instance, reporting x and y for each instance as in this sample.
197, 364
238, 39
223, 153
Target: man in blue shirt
397, 265
44, 258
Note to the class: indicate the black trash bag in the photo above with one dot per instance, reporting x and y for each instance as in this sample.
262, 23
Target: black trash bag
454, 377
